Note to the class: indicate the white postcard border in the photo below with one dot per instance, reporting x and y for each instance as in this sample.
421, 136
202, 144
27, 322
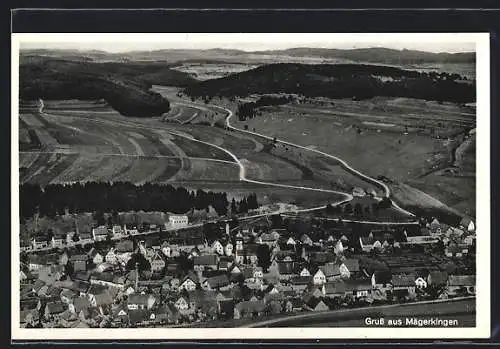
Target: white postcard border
482, 329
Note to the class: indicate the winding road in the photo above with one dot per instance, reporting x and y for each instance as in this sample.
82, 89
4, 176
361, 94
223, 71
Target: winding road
343, 164
242, 172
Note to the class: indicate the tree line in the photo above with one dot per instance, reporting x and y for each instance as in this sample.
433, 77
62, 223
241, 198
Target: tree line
59, 79
355, 81
357, 209
56, 199
249, 109
245, 204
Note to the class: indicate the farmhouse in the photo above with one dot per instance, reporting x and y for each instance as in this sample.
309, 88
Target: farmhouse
70, 236
36, 262
468, 224
305, 272
100, 233
106, 279
316, 304
54, 310
367, 243
403, 284
80, 262
26, 245
247, 309
157, 263
218, 248
79, 304
225, 264
437, 278
182, 303
219, 282
352, 267
319, 278
95, 256
188, 283
228, 249
248, 255
58, 240
85, 238
101, 300
41, 241
358, 288
268, 239
131, 229
359, 192
178, 221
205, 262
334, 289
239, 242
420, 237
331, 271
125, 246
118, 231
103, 267
111, 256
140, 301
461, 285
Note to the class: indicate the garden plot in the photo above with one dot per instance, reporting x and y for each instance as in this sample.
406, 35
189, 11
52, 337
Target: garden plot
31, 120
237, 143
36, 166
187, 114
198, 170
109, 168
170, 169
83, 168
153, 143
200, 150
141, 169
26, 160
80, 105
52, 167
371, 152
265, 167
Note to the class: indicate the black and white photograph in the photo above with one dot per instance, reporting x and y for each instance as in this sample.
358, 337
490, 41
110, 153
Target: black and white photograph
183, 185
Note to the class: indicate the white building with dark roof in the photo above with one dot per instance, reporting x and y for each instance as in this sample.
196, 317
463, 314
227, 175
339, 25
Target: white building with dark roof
178, 221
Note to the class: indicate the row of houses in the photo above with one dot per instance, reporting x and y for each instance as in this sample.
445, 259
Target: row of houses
146, 302
99, 233
241, 274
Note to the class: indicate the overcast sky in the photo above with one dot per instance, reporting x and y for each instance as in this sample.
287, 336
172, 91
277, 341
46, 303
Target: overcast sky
248, 42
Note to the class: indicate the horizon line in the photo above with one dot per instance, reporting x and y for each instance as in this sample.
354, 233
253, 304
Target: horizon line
239, 49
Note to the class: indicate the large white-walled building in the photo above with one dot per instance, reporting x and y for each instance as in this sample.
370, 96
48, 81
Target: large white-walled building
178, 221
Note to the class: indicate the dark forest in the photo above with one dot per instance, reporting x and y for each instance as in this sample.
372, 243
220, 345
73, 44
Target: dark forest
56, 199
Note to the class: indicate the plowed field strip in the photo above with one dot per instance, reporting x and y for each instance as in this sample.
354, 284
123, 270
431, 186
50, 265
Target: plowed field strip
36, 165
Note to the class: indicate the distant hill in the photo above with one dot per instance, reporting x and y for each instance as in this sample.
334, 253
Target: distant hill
377, 55
363, 55
338, 81
124, 86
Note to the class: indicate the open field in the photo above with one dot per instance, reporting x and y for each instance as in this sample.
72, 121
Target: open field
286, 164
221, 65
93, 146
205, 71
369, 135
409, 142
465, 69
77, 105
